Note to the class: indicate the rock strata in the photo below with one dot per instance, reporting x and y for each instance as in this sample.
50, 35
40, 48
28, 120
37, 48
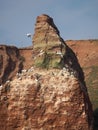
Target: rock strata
48, 45
10, 62
52, 94
50, 50
45, 100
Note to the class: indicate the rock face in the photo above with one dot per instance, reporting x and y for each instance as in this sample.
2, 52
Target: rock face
46, 30
26, 53
54, 98
50, 50
10, 62
86, 51
45, 100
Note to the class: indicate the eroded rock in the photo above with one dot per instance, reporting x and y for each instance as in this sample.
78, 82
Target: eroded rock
54, 98
49, 47
45, 101
10, 62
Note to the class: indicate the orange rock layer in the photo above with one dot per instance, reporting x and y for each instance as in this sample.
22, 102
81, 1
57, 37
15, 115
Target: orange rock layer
49, 100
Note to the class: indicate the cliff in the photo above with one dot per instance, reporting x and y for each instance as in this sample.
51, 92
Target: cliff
38, 99
86, 51
50, 95
10, 62
50, 50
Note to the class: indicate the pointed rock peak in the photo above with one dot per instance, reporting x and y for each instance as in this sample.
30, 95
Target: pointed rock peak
49, 47
50, 50
45, 30
45, 19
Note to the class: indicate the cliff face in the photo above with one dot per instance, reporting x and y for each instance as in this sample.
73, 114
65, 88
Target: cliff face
50, 50
86, 51
48, 46
10, 62
26, 53
51, 95
38, 99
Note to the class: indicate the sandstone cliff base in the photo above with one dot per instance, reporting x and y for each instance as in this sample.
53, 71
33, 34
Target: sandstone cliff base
49, 100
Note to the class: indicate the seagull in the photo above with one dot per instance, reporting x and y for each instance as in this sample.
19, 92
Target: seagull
29, 34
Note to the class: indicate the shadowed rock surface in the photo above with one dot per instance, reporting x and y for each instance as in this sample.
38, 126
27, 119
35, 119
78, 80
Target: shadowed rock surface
10, 62
52, 94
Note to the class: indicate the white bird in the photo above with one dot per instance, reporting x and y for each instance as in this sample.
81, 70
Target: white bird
29, 34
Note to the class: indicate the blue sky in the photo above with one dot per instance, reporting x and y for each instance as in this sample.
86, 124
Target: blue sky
75, 19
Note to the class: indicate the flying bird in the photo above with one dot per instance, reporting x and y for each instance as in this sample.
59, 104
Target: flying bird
29, 34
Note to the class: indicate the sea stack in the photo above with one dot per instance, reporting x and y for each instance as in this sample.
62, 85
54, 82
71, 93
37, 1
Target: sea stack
52, 94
